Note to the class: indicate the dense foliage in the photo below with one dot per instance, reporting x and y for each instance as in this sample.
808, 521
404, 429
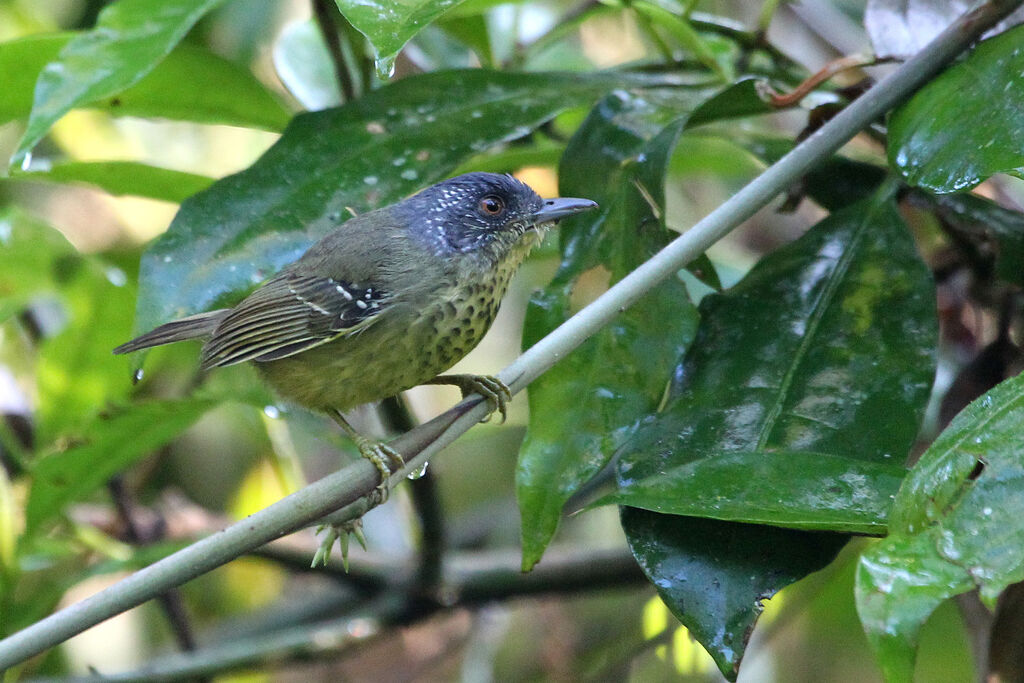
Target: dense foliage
749, 416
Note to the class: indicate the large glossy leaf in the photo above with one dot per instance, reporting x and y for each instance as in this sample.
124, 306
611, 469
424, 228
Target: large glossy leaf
129, 39
957, 524
191, 84
967, 124
390, 25
583, 408
366, 154
122, 177
825, 492
107, 446
825, 346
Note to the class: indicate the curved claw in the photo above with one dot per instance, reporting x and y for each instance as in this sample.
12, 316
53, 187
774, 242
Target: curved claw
383, 458
490, 387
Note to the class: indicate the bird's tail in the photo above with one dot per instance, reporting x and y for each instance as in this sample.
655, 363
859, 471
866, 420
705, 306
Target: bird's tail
192, 327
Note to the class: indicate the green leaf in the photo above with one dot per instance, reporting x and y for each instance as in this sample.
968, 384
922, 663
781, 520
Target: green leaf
389, 25
129, 39
367, 154
76, 374
30, 252
957, 524
121, 178
827, 493
743, 98
217, 91
107, 446
967, 124
827, 345
583, 408
304, 66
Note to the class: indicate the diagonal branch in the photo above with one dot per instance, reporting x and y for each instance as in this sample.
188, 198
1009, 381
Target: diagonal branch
348, 490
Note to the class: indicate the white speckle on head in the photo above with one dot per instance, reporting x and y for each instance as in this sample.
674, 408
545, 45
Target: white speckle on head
344, 292
361, 304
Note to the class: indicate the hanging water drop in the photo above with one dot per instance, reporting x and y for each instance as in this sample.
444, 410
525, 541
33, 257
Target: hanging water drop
386, 67
137, 375
273, 412
418, 472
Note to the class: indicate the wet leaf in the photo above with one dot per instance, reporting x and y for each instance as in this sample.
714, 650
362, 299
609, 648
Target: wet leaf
825, 346
129, 39
225, 93
389, 25
964, 125
121, 178
956, 525
825, 492
584, 407
367, 154
107, 446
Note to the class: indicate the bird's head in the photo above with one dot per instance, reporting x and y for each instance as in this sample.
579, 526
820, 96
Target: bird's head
484, 214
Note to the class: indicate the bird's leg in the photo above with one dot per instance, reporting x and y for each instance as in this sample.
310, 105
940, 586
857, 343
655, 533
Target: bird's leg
383, 458
490, 387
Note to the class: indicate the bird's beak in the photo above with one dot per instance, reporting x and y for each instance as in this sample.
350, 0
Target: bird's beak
555, 209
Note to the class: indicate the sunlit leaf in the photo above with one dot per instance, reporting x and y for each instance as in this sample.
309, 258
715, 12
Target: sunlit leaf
122, 178
129, 39
190, 84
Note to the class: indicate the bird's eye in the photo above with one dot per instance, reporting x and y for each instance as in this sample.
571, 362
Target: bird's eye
492, 205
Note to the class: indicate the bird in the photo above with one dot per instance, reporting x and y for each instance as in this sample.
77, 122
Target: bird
386, 301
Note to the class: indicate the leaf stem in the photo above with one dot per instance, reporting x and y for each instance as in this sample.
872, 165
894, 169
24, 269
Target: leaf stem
349, 488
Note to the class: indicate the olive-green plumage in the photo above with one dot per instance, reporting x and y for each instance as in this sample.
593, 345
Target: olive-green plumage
386, 301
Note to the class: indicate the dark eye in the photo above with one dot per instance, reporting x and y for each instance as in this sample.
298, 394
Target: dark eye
492, 205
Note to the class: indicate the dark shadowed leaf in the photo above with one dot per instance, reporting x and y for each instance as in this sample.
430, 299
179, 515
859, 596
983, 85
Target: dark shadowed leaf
825, 346
129, 39
795, 490
742, 98
108, 445
957, 524
964, 125
583, 408
121, 178
366, 154
992, 228
390, 25
191, 84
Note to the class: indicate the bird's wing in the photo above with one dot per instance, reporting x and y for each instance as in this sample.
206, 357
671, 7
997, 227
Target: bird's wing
290, 314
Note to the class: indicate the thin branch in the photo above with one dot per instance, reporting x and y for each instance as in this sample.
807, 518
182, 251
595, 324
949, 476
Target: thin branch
170, 601
349, 489
425, 501
470, 580
324, 11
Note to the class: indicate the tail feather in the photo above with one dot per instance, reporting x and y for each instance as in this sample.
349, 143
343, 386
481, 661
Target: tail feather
192, 327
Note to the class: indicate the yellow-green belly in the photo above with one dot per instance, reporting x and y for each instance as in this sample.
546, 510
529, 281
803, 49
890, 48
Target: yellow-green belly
406, 347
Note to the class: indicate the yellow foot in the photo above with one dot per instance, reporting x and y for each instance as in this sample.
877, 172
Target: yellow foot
340, 533
490, 387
